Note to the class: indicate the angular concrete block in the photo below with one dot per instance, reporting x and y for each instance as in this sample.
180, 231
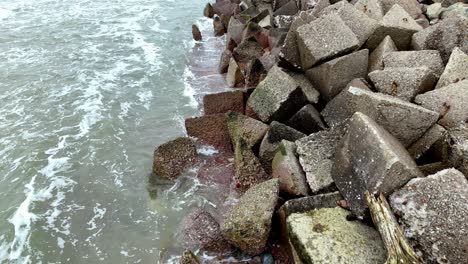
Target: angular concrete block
376, 56
372, 8
307, 120
413, 59
455, 70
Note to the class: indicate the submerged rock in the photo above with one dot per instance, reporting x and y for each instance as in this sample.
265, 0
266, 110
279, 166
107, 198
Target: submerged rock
325, 236
369, 158
248, 224
174, 157
434, 215
211, 130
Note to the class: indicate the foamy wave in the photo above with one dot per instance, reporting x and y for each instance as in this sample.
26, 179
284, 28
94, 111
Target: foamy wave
189, 91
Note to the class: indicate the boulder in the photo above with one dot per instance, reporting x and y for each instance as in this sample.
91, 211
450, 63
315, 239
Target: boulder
211, 130
458, 152
405, 121
412, 7
249, 170
369, 158
403, 83
235, 30
319, 6
286, 168
234, 77
433, 11
277, 97
272, 140
455, 70
450, 101
247, 50
307, 120
332, 76
360, 24
224, 8
434, 215
188, 258
248, 224
249, 129
324, 38
208, 11
397, 24
376, 57
223, 102
311, 94
372, 8
171, 159
199, 230
196, 34
422, 145
279, 3
413, 59
218, 26
326, 236
254, 73
443, 36
224, 61
288, 9
316, 153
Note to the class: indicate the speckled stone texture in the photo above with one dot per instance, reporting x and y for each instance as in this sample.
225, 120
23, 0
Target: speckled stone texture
455, 70
249, 129
414, 59
376, 56
172, 158
223, 102
434, 215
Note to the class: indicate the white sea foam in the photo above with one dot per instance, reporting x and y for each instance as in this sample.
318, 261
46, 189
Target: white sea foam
189, 91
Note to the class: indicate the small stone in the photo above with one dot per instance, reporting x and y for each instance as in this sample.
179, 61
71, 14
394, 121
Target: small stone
369, 158
326, 236
189, 258
224, 61
434, 134
403, 83
397, 24
332, 76
218, 26
171, 159
277, 97
376, 57
208, 11
360, 24
234, 77
286, 168
450, 102
196, 34
272, 140
412, 59
434, 215
405, 121
324, 38
372, 8
307, 120
316, 153
248, 224
455, 70
223, 102
249, 129
211, 130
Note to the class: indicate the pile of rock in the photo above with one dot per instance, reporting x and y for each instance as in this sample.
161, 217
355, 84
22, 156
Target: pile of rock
338, 98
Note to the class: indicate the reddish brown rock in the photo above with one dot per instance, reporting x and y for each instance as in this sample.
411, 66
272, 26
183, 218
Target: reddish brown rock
218, 26
224, 61
208, 11
196, 34
210, 129
223, 102
174, 157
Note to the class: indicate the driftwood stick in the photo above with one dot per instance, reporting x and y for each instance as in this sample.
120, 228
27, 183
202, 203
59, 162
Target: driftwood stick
399, 250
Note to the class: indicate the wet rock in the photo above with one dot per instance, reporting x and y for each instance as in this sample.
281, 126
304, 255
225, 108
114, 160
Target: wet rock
412, 59
372, 8
196, 34
235, 30
223, 102
434, 215
316, 153
332, 76
277, 97
397, 24
288, 9
458, 152
254, 73
360, 24
376, 57
188, 258
325, 236
434, 134
307, 120
405, 121
455, 70
234, 77
412, 7
208, 11
286, 168
249, 129
443, 36
271, 142
210, 129
248, 224
224, 61
199, 230
403, 83
247, 50
249, 170
172, 158
369, 158
218, 26
324, 38
450, 101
